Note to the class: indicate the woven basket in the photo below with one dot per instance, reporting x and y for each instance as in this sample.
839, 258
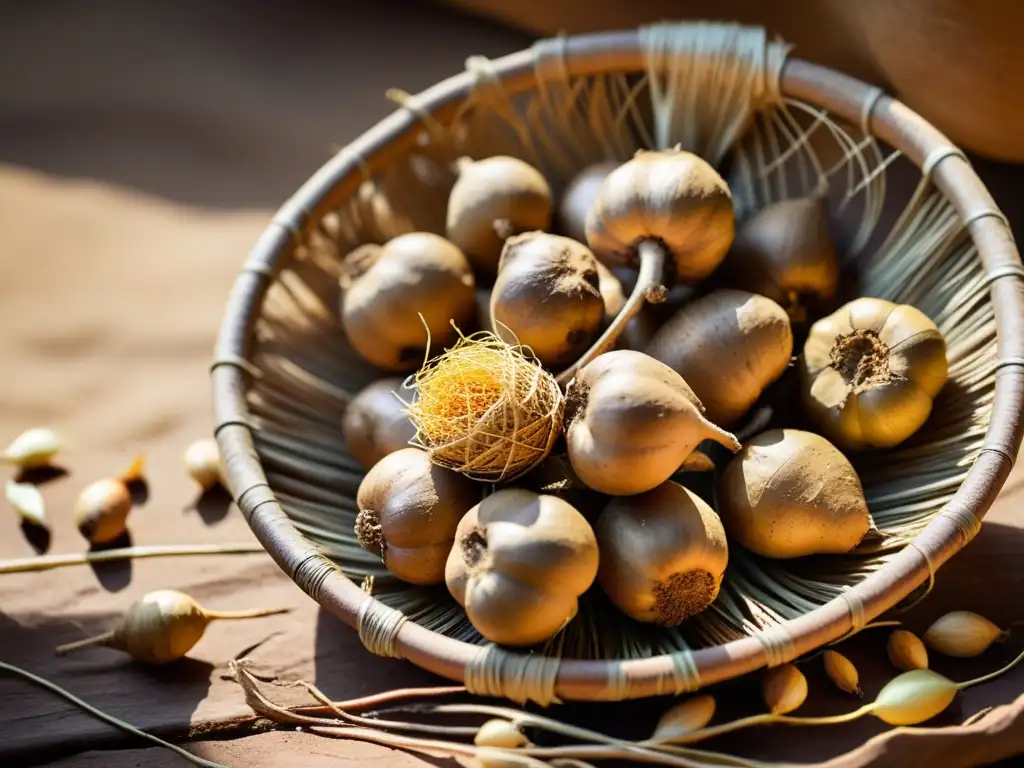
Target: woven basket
283, 372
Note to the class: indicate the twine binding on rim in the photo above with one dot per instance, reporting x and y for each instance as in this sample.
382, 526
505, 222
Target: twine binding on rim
378, 626
234, 361
939, 154
258, 271
685, 675
1009, 362
515, 676
858, 620
777, 644
311, 573
983, 213
1004, 270
912, 544
967, 523
868, 107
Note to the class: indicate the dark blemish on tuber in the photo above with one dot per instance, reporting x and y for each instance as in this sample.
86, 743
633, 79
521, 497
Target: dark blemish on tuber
683, 596
575, 401
862, 359
474, 547
369, 533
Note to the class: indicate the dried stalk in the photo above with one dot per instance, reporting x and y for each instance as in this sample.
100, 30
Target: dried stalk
109, 719
49, 562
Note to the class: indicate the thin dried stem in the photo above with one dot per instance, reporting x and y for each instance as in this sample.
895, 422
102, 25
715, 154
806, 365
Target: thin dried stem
109, 719
48, 562
245, 614
649, 285
103, 639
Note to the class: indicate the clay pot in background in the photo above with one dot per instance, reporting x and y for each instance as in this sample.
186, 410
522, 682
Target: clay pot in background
959, 64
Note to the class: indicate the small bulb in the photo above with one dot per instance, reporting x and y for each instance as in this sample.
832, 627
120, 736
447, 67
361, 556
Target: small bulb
784, 689
906, 651
963, 634
499, 733
101, 510
687, 717
842, 672
28, 501
202, 460
33, 448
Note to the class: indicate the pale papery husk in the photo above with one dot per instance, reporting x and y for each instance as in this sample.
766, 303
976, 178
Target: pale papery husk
870, 372
672, 196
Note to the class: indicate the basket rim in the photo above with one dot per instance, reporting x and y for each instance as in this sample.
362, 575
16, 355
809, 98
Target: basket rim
621, 51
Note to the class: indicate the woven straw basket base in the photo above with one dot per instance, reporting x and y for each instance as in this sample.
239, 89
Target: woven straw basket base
777, 127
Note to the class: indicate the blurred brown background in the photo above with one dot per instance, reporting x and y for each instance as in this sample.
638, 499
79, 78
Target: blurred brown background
143, 147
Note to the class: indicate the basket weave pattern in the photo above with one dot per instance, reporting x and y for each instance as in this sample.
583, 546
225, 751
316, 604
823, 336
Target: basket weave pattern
283, 371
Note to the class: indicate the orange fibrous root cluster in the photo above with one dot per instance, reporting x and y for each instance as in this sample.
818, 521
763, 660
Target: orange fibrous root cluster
486, 408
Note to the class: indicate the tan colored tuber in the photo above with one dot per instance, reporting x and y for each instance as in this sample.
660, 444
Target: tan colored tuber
408, 511
729, 346
547, 297
375, 422
33, 448
386, 289
203, 464
161, 627
633, 422
520, 562
784, 689
101, 509
791, 493
492, 199
667, 213
842, 672
870, 372
906, 651
963, 634
663, 554
786, 252
579, 197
